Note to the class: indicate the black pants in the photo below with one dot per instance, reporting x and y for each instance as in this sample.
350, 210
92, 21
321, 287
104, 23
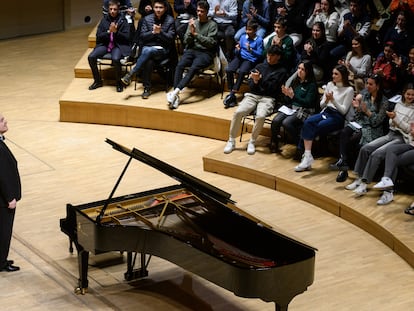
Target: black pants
6, 228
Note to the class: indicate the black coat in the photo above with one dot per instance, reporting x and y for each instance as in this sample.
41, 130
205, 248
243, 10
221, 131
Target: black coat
121, 37
10, 186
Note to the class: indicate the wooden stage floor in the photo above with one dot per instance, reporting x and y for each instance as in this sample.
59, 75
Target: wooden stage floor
65, 162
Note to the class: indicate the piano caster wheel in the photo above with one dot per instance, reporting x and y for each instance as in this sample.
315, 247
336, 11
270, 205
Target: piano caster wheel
80, 291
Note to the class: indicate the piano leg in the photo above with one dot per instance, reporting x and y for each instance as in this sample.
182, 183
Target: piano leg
131, 273
278, 307
83, 258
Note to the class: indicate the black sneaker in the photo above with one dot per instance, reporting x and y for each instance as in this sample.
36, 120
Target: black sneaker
126, 80
230, 101
146, 93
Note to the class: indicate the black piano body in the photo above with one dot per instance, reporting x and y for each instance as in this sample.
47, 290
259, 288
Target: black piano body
197, 227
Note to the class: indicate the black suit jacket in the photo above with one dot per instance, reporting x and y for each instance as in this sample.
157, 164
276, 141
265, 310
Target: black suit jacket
10, 186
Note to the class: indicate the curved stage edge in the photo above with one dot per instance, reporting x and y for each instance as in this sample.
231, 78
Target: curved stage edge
207, 118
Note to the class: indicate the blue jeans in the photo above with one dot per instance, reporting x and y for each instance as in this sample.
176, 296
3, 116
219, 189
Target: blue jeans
322, 123
148, 52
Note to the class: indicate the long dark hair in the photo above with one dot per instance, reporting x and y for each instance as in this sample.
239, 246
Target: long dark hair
408, 86
364, 47
378, 81
344, 74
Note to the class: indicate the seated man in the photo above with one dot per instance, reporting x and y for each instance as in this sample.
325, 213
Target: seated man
156, 42
201, 47
112, 36
264, 81
224, 13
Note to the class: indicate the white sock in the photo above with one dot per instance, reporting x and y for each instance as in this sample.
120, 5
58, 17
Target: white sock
308, 153
176, 91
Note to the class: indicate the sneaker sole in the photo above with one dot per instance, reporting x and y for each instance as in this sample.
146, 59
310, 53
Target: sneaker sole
303, 169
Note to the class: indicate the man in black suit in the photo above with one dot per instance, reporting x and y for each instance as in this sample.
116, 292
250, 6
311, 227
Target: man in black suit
10, 193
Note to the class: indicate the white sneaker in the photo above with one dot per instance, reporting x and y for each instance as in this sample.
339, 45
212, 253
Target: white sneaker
385, 183
170, 97
173, 101
305, 164
386, 198
354, 185
361, 189
231, 144
251, 149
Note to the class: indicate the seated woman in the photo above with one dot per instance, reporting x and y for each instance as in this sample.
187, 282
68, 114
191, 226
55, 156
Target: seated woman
324, 11
372, 154
248, 53
336, 101
397, 155
316, 50
367, 125
359, 62
301, 95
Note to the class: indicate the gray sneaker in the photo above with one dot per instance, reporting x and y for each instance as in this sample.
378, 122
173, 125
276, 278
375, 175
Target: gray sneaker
126, 80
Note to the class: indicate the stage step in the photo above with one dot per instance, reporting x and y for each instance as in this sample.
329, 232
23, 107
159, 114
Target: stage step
318, 186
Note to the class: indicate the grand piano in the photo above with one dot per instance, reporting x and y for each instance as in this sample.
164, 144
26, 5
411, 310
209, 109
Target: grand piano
195, 226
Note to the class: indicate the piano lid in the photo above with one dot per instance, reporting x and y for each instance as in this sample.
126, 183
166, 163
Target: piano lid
188, 180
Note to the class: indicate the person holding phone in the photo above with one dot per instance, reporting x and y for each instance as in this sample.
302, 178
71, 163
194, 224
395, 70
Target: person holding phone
372, 154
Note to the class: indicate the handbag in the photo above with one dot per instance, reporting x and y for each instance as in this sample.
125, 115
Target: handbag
303, 113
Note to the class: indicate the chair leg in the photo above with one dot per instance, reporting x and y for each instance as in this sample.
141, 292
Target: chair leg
242, 128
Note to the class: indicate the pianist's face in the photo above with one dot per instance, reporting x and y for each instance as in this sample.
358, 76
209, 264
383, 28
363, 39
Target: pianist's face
3, 125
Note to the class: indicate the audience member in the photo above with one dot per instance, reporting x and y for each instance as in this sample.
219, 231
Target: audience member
398, 155
112, 36
249, 52
399, 34
372, 154
201, 47
385, 66
359, 63
125, 7
301, 96
224, 13
324, 11
185, 9
368, 124
264, 79
280, 38
336, 101
316, 51
405, 72
294, 13
157, 42
257, 11
356, 22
